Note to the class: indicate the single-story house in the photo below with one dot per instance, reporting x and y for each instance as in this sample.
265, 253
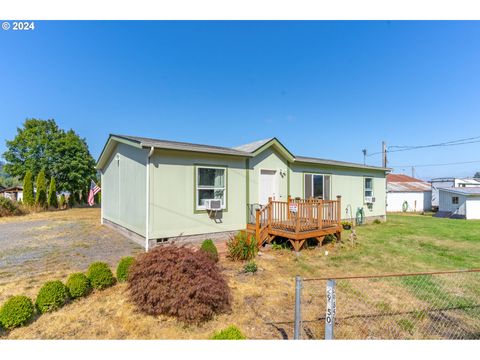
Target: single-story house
448, 182
408, 194
157, 190
461, 202
14, 193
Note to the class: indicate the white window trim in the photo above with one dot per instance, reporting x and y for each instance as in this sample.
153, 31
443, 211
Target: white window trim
197, 187
365, 188
323, 182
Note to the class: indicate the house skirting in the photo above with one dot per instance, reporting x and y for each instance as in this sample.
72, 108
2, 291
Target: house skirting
131, 235
180, 239
193, 239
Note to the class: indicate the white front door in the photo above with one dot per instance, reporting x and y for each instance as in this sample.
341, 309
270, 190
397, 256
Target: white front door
268, 186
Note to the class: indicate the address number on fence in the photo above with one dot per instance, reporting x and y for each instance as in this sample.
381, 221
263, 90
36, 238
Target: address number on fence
331, 309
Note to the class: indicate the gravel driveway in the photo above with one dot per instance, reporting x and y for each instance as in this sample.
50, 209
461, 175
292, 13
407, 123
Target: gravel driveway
57, 243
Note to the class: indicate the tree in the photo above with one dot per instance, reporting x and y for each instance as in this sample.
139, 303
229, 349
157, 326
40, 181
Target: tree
28, 198
71, 200
6, 180
52, 194
41, 144
33, 147
74, 166
41, 196
477, 175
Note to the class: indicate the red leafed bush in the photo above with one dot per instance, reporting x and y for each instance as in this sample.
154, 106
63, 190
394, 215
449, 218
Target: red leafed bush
180, 282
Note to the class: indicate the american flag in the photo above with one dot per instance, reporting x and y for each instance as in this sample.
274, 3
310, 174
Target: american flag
94, 189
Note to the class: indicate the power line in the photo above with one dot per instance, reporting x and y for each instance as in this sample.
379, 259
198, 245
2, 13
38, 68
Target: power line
398, 148
444, 164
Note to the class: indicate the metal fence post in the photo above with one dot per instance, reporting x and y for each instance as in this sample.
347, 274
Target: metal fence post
331, 310
298, 311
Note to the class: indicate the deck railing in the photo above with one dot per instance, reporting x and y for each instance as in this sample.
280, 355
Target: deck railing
297, 215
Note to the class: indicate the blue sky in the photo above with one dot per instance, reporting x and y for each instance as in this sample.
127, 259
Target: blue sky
325, 88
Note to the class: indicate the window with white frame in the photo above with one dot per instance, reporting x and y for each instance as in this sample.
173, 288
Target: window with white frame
316, 186
368, 188
211, 184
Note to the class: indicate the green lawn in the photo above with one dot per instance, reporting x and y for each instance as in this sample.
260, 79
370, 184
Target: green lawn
407, 243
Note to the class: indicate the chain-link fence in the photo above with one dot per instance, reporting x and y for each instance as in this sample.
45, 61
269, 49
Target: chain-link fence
436, 305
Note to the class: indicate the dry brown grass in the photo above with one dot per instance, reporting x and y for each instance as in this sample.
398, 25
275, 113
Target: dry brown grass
258, 301
263, 303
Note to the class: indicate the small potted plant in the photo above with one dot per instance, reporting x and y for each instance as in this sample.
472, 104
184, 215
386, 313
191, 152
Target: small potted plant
347, 225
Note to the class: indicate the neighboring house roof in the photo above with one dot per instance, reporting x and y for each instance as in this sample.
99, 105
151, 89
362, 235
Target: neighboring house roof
467, 181
246, 150
405, 183
13, 188
467, 191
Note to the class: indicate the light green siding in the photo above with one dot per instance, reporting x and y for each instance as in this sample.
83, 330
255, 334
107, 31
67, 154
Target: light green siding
269, 159
172, 210
123, 188
172, 194
345, 182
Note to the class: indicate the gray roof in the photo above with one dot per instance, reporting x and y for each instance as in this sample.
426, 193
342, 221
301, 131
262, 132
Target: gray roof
251, 147
245, 150
313, 160
468, 191
176, 145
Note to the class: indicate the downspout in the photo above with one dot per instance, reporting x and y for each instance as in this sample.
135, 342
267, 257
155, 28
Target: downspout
147, 199
101, 198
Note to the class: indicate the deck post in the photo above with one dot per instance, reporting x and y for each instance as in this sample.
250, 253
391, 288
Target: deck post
270, 210
289, 200
320, 215
257, 226
339, 209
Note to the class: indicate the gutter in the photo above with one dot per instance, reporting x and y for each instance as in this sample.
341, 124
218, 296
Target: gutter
147, 199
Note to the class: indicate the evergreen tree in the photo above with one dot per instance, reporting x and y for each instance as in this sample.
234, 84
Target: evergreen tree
52, 194
41, 198
28, 198
71, 200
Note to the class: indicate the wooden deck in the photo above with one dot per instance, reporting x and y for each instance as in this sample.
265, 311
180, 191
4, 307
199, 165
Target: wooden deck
297, 220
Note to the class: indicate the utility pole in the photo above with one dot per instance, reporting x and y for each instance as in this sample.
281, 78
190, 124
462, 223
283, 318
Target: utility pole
384, 154
413, 171
364, 151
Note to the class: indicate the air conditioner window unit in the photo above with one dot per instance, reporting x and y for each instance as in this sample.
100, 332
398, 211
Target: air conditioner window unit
369, 199
213, 204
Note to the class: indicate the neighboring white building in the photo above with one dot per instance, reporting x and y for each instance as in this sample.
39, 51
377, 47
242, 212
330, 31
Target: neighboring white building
14, 193
405, 193
438, 183
461, 202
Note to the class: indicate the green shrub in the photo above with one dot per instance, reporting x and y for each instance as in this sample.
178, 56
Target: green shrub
78, 285
9, 207
250, 267
61, 202
123, 268
209, 247
229, 333
377, 221
100, 275
52, 296
17, 311
52, 194
241, 246
41, 196
28, 198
